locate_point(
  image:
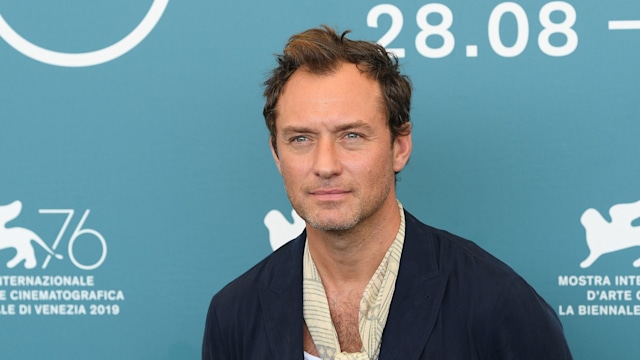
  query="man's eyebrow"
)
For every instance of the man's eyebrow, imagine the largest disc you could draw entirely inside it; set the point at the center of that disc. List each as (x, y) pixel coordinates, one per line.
(296, 130)
(358, 124)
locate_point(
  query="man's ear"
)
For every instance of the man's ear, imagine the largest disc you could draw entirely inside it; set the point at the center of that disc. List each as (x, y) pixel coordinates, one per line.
(274, 153)
(402, 149)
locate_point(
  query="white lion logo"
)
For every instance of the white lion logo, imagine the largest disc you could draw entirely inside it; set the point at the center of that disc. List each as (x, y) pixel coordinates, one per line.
(604, 237)
(281, 230)
(19, 238)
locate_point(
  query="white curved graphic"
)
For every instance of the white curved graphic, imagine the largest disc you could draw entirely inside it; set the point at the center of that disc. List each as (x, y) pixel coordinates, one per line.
(281, 230)
(88, 58)
(604, 236)
(19, 239)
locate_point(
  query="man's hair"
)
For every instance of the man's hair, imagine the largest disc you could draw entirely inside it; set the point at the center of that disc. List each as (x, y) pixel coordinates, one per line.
(321, 51)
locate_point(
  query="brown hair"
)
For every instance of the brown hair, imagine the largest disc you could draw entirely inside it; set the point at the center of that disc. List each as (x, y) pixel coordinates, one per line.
(321, 51)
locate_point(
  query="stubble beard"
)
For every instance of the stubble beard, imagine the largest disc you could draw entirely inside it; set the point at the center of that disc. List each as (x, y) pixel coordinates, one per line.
(352, 215)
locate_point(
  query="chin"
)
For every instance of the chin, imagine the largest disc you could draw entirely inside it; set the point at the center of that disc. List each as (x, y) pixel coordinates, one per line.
(338, 223)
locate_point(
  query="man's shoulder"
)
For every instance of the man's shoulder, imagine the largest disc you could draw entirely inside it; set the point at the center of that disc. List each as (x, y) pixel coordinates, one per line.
(455, 253)
(471, 272)
(268, 272)
(491, 301)
(261, 303)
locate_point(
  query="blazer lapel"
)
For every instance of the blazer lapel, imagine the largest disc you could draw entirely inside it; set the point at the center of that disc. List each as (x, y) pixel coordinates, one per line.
(281, 304)
(417, 298)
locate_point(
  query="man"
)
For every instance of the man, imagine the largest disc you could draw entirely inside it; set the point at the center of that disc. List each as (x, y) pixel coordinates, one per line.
(365, 280)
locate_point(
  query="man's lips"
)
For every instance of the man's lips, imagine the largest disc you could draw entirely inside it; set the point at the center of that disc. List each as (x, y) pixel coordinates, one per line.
(329, 194)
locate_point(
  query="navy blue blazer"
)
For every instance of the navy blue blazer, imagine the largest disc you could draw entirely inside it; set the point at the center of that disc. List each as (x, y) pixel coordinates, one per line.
(452, 300)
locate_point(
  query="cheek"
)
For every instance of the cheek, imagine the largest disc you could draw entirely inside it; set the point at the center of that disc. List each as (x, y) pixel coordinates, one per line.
(291, 171)
(375, 162)
(368, 171)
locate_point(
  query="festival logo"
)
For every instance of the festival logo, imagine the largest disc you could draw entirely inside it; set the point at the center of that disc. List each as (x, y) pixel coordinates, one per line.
(281, 230)
(604, 236)
(603, 293)
(89, 58)
(24, 292)
(22, 239)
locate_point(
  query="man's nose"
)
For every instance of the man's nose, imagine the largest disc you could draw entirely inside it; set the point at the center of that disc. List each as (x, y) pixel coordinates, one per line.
(327, 159)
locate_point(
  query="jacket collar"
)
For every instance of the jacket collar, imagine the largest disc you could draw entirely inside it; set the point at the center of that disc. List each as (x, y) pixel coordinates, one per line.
(281, 301)
(417, 297)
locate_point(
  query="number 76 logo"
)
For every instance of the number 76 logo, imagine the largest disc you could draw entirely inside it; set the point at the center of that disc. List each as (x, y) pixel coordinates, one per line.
(21, 239)
(79, 230)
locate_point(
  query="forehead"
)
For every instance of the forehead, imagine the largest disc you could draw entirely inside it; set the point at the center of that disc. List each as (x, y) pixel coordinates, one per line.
(344, 93)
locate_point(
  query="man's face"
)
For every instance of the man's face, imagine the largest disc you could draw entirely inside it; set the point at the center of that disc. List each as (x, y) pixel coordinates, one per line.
(334, 148)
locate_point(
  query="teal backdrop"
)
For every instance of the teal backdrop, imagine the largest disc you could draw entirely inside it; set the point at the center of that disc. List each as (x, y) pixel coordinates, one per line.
(132, 145)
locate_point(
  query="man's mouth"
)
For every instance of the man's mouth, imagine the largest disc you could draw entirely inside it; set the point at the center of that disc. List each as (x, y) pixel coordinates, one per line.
(329, 194)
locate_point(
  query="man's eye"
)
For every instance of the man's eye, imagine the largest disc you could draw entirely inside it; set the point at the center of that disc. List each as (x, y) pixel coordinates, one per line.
(299, 139)
(352, 136)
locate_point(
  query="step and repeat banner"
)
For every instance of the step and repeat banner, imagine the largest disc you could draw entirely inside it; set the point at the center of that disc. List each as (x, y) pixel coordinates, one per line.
(136, 178)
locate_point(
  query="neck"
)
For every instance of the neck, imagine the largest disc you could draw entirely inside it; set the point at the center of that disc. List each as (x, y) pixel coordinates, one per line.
(348, 259)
